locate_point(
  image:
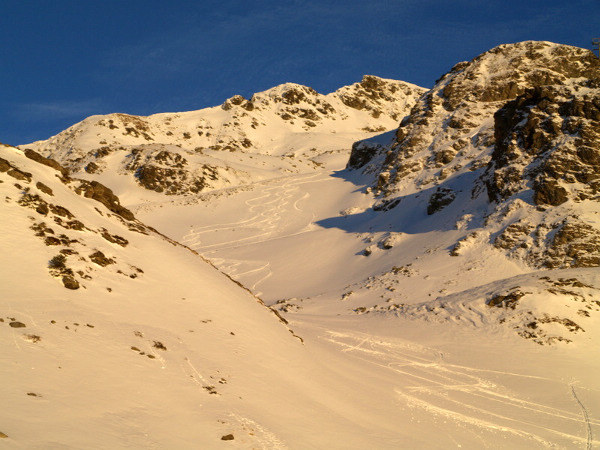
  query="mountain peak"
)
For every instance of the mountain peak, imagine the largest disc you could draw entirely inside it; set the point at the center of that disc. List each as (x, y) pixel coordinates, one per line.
(519, 122)
(270, 134)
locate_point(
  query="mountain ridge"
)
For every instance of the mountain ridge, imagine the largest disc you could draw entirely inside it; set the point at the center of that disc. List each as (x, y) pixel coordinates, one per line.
(273, 133)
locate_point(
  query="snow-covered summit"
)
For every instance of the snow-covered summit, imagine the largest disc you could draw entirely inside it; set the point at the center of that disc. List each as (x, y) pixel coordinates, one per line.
(287, 129)
(518, 127)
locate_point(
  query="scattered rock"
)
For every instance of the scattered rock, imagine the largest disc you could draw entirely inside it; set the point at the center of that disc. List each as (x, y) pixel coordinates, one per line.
(45, 189)
(70, 282)
(99, 258)
(102, 194)
(159, 345)
(31, 154)
(113, 238)
(508, 301)
(441, 198)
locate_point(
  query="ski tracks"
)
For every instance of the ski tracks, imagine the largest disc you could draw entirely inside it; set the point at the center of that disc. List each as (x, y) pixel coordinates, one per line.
(586, 419)
(275, 211)
(468, 395)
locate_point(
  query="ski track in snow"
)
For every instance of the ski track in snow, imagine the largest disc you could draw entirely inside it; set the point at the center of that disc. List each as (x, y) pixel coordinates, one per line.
(464, 394)
(270, 211)
(586, 418)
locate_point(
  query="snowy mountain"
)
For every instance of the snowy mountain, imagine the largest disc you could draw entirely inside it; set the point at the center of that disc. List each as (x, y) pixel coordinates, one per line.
(504, 148)
(287, 129)
(523, 120)
(447, 279)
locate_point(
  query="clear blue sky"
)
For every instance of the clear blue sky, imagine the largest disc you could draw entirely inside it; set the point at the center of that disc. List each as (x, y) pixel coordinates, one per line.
(63, 60)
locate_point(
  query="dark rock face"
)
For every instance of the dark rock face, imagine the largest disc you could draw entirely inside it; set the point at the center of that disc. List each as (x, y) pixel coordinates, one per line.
(386, 205)
(449, 125)
(92, 167)
(99, 258)
(440, 199)
(35, 156)
(549, 192)
(102, 194)
(575, 244)
(362, 153)
(546, 139)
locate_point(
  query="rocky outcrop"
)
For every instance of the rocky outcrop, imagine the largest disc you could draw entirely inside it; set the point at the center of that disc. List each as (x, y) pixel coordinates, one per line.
(452, 127)
(102, 194)
(548, 141)
(372, 93)
(441, 198)
(35, 156)
(521, 123)
(168, 172)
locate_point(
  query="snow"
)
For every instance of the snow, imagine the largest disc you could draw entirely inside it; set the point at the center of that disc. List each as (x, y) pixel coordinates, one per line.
(397, 347)
(441, 361)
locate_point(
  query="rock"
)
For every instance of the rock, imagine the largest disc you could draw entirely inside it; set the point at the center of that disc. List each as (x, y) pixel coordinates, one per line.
(92, 167)
(227, 437)
(16, 324)
(45, 189)
(35, 156)
(99, 258)
(113, 238)
(70, 282)
(513, 236)
(575, 244)
(549, 192)
(102, 194)
(19, 174)
(362, 152)
(441, 198)
(13, 171)
(546, 136)
(386, 205)
(449, 125)
(508, 301)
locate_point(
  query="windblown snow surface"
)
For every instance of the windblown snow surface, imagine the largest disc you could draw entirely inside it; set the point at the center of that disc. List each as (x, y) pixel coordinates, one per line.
(346, 319)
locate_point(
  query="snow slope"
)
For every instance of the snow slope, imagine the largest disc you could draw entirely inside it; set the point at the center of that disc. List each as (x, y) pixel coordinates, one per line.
(417, 333)
(176, 355)
(419, 309)
(388, 245)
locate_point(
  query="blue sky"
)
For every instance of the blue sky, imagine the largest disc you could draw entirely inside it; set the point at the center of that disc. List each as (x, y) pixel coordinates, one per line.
(63, 60)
